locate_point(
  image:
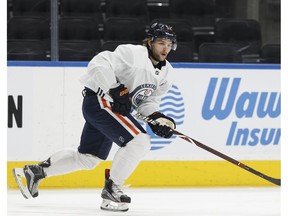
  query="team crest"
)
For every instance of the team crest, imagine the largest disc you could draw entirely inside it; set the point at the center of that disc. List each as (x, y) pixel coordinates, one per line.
(141, 93)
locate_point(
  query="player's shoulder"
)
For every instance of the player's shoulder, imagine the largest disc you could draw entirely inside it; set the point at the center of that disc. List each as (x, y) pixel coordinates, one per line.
(136, 53)
(132, 47)
(168, 65)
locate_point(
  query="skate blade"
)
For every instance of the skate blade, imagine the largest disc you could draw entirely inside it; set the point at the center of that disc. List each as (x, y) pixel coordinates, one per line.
(109, 205)
(19, 176)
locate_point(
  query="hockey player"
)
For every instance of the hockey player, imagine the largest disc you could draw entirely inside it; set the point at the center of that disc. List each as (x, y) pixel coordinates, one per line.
(133, 76)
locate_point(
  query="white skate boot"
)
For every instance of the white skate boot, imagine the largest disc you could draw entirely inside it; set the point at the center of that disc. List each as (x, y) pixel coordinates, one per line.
(32, 174)
(113, 197)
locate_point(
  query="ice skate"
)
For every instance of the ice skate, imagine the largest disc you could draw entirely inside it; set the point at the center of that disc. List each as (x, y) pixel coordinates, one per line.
(32, 175)
(113, 197)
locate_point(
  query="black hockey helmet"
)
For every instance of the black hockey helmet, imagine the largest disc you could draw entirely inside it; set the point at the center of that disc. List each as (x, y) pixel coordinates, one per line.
(160, 30)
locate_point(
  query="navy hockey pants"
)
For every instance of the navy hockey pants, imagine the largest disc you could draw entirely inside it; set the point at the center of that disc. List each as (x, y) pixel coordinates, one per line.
(103, 127)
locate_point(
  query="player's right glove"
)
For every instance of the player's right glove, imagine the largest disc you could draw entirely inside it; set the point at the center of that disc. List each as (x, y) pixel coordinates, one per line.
(165, 125)
(121, 101)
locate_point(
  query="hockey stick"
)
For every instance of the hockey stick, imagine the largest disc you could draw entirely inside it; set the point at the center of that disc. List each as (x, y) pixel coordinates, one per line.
(213, 151)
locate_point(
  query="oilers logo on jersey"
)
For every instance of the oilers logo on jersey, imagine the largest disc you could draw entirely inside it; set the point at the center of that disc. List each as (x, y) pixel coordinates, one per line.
(141, 93)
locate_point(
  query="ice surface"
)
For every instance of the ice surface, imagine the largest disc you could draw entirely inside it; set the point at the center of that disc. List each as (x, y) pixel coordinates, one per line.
(239, 201)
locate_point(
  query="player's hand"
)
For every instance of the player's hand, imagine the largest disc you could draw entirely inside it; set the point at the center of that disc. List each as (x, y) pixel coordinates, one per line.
(121, 101)
(165, 126)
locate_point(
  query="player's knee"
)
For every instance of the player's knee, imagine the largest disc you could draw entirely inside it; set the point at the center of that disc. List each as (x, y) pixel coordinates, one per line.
(87, 161)
(140, 145)
(146, 143)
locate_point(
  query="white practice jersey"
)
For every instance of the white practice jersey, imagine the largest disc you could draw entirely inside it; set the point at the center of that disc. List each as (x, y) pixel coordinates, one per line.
(131, 66)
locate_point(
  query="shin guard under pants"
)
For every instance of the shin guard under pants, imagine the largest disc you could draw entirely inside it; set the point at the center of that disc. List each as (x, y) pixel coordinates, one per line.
(69, 160)
(127, 158)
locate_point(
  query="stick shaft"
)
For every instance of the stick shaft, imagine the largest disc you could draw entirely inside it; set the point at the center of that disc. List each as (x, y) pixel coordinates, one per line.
(227, 158)
(215, 152)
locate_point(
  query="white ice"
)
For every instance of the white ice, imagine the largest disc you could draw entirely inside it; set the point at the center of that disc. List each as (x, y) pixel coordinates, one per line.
(239, 201)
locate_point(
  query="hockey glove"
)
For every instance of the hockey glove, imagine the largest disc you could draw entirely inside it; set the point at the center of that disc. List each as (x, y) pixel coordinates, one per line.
(163, 129)
(121, 101)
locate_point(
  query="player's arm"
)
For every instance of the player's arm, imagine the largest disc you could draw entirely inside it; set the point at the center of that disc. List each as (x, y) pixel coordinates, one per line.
(100, 77)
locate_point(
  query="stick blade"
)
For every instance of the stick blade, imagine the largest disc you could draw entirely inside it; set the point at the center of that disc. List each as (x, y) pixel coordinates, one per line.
(275, 181)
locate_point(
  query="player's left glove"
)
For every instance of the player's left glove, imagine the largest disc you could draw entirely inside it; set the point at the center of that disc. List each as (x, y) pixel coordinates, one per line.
(165, 126)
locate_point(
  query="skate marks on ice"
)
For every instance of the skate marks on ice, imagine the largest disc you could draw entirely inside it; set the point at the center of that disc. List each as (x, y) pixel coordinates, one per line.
(258, 201)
